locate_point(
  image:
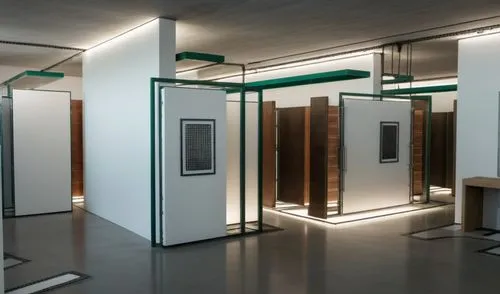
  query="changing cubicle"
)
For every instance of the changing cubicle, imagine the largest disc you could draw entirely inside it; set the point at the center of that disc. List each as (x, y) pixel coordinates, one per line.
(367, 154)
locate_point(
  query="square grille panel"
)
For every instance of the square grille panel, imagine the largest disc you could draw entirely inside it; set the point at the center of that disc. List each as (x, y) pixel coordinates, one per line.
(197, 147)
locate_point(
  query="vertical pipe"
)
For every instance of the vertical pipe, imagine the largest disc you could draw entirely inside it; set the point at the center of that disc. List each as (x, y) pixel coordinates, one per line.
(152, 160)
(260, 158)
(242, 160)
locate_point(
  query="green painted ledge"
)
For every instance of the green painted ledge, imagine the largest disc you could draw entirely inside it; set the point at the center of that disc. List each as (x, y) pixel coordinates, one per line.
(422, 90)
(200, 57)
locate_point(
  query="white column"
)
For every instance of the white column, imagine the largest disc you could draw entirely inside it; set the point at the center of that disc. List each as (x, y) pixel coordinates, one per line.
(116, 78)
(478, 112)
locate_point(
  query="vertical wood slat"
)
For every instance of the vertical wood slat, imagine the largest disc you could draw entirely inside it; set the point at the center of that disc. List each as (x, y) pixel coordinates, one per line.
(333, 168)
(419, 114)
(269, 154)
(318, 195)
(77, 148)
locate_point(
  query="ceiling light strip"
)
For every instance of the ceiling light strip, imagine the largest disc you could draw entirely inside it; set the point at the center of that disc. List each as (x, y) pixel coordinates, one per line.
(39, 45)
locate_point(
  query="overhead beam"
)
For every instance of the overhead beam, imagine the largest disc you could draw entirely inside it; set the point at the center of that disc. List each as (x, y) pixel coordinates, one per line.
(187, 55)
(31, 79)
(422, 90)
(325, 77)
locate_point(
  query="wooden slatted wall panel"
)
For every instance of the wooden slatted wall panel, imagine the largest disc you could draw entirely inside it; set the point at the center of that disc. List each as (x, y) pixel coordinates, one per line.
(333, 153)
(76, 148)
(419, 111)
(269, 154)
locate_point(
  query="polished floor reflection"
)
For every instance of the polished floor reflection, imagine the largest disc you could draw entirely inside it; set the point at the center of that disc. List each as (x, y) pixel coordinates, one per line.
(306, 257)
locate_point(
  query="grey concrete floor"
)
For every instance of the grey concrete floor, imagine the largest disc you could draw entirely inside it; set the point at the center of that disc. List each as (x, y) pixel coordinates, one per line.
(368, 257)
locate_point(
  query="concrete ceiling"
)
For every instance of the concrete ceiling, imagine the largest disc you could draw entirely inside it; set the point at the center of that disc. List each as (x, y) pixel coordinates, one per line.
(245, 31)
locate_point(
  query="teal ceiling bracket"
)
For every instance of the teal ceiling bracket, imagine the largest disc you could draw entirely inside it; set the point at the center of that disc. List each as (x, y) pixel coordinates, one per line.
(32, 79)
(200, 57)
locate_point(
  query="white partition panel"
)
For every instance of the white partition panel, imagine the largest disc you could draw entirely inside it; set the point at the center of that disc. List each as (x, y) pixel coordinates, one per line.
(370, 180)
(194, 205)
(42, 151)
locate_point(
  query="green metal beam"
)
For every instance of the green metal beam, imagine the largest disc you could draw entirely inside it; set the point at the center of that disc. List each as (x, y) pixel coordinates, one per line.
(200, 57)
(398, 79)
(32, 79)
(422, 90)
(325, 77)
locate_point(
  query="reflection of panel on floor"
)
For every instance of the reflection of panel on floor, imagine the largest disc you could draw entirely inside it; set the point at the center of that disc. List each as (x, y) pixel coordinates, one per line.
(269, 154)
(419, 111)
(293, 167)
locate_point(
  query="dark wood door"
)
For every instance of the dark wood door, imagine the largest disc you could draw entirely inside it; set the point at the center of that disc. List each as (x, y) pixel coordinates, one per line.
(318, 196)
(438, 150)
(269, 154)
(291, 155)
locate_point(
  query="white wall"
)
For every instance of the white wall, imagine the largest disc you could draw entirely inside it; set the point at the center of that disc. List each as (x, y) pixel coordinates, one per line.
(233, 159)
(42, 152)
(301, 95)
(478, 107)
(194, 206)
(116, 91)
(68, 83)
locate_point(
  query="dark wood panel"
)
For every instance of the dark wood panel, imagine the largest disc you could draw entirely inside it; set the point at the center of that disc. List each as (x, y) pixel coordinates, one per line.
(76, 148)
(291, 153)
(333, 153)
(319, 158)
(438, 150)
(307, 147)
(269, 154)
(419, 113)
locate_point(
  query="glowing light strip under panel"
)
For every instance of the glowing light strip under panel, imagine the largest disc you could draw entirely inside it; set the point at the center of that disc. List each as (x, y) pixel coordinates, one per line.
(48, 284)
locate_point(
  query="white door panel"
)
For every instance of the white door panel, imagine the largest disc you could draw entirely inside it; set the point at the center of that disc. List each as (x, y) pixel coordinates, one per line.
(369, 183)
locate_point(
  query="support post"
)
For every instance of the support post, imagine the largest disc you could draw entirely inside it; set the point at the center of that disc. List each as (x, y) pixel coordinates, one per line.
(260, 193)
(242, 161)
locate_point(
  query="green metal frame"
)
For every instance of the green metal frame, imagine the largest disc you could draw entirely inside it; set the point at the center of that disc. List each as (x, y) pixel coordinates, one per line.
(200, 57)
(381, 97)
(30, 74)
(422, 90)
(309, 79)
(156, 84)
